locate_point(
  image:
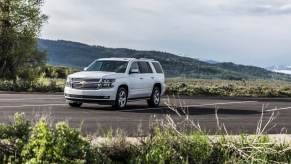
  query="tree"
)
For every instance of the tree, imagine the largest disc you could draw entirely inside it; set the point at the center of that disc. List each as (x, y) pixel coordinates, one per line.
(20, 23)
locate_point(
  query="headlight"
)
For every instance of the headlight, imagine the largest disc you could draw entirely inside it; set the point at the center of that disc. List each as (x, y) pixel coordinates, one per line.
(107, 83)
(68, 82)
(108, 80)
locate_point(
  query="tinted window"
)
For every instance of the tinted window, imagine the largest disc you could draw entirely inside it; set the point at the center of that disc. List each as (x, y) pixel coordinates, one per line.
(144, 67)
(134, 66)
(108, 66)
(158, 67)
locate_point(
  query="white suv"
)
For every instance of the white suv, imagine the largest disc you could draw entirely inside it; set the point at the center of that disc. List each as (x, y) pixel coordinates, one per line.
(114, 81)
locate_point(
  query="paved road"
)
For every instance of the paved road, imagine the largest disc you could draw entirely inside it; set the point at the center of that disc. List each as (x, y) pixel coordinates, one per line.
(239, 116)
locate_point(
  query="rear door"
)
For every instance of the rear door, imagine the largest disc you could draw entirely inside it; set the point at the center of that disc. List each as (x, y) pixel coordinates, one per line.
(146, 77)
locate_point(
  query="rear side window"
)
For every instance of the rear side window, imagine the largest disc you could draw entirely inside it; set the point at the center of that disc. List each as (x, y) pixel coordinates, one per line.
(158, 67)
(144, 67)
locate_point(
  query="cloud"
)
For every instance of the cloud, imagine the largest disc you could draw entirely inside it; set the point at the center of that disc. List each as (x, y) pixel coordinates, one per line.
(270, 10)
(258, 7)
(255, 32)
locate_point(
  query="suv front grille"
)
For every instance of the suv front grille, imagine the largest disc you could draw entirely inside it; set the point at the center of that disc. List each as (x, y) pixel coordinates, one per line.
(86, 84)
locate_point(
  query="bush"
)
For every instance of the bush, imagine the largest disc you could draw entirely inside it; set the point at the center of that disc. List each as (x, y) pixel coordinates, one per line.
(18, 131)
(62, 145)
(16, 136)
(39, 148)
(55, 72)
(69, 146)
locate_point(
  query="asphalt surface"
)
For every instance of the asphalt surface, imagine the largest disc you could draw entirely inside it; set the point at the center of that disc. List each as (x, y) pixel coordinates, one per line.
(237, 115)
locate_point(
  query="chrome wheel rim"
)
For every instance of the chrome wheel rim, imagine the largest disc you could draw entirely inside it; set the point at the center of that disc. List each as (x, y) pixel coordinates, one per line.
(157, 96)
(122, 98)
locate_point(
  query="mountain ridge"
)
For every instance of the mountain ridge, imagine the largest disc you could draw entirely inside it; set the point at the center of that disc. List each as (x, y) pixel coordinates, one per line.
(78, 55)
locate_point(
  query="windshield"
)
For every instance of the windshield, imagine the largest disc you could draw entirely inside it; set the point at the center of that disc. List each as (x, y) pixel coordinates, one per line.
(108, 66)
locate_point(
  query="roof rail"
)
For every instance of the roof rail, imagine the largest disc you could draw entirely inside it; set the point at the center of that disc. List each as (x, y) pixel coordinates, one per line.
(146, 59)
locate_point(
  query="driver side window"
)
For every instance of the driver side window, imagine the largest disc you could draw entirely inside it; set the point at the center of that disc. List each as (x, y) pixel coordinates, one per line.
(134, 66)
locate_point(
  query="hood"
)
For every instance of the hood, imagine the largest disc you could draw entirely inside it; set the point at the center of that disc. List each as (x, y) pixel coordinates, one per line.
(96, 74)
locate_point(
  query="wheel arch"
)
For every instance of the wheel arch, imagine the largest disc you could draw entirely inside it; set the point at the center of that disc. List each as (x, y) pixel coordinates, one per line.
(158, 85)
(124, 86)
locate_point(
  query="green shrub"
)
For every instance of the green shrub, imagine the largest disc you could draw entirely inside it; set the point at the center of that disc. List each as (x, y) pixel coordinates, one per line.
(40, 147)
(16, 136)
(60, 145)
(56, 72)
(18, 131)
(69, 146)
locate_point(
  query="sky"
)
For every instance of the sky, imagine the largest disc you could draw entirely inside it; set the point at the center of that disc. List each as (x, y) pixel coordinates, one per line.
(250, 32)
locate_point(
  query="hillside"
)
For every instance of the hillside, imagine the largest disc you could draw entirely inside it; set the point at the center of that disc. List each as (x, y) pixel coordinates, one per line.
(73, 54)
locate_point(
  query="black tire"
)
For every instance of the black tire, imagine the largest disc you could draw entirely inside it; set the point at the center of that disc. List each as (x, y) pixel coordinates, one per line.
(75, 104)
(121, 98)
(155, 98)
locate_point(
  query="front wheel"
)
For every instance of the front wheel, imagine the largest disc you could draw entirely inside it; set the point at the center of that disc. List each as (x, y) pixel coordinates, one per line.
(155, 99)
(75, 104)
(121, 99)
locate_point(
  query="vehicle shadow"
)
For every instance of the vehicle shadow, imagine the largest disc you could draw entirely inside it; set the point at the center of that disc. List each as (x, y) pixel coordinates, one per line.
(194, 111)
(166, 110)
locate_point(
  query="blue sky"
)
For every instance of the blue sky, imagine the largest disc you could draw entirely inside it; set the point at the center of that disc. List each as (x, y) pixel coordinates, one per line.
(252, 32)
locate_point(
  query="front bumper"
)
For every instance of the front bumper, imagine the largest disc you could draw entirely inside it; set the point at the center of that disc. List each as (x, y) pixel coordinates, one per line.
(98, 96)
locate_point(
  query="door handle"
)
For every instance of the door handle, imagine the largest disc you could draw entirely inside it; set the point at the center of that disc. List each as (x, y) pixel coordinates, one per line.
(141, 78)
(153, 77)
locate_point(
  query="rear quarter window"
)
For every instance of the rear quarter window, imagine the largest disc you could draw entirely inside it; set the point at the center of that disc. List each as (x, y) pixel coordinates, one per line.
(158, 67)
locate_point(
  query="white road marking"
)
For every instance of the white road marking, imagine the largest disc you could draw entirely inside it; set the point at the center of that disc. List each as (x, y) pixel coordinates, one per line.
(22, 99)
(25, 94)
(27, 105)
(277, 109)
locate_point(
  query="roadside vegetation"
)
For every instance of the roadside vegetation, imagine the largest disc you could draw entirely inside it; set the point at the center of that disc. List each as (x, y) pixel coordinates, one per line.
(46, 78)
(23, 141)
(229, 88)
(52, 79)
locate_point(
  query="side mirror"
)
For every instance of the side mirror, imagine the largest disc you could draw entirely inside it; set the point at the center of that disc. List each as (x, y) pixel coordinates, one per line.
(132, 71)
(85, 69)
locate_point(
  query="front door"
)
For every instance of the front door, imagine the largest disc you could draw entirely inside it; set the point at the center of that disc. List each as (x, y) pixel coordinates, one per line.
(136, 82)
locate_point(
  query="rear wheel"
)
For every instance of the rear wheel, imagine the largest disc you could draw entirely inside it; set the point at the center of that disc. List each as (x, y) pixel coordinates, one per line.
(75, 104)
(155, 99)
(121, 99)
